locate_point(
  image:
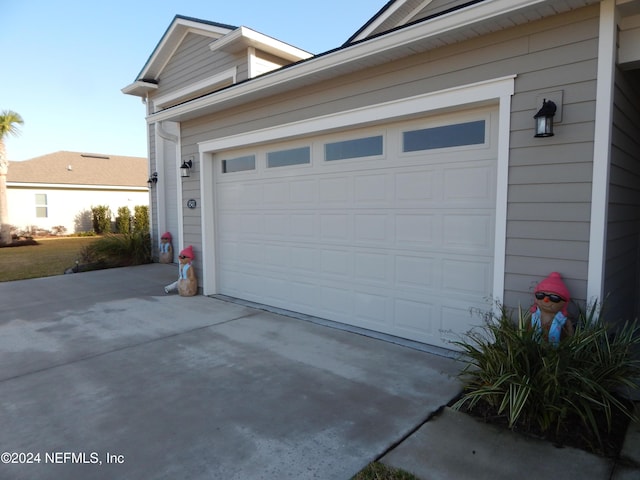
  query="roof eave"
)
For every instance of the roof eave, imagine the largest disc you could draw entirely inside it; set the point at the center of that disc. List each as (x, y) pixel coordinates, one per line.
(139, 88)
(370, 48)
(244, 37)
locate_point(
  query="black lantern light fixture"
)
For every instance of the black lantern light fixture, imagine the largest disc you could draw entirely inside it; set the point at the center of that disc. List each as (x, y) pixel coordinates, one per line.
(153, 179)
(544, 119)
(185, 168)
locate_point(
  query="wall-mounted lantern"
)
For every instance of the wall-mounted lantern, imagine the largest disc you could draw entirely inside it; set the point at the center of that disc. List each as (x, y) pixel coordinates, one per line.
(153, 179)
(544, 119)
(185, 168)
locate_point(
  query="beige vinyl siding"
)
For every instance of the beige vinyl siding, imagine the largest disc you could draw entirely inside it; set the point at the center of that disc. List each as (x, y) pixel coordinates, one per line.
(622, 268)
(554, 54)
(192, 62)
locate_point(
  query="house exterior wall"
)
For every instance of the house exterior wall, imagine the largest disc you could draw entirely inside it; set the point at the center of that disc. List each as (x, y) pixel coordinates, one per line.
(622, 268)
(68, 207)
(549, 179)
(192, 62)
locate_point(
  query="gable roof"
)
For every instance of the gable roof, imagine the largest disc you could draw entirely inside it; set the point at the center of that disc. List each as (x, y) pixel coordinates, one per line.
(74, 168)
(180, 26)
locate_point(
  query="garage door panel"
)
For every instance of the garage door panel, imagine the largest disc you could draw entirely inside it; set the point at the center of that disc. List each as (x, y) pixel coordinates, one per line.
(468, 232)
(413, 272)
(336, 263)
(372, 268)
(335, 190)
(304, 192)
(371, 228)
(465, 276)
(417, 318)
(371, 310)
(465, 184)
(401, 244)
(415, 229)
(414, 185)
(335, 227)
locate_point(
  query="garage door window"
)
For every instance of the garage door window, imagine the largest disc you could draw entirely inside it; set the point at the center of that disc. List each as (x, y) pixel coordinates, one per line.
(457, 135)
(361, 147)
(239, 164)
(293, 156)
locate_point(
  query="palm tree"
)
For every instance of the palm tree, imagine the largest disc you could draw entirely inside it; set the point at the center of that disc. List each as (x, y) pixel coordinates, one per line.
(9, 122)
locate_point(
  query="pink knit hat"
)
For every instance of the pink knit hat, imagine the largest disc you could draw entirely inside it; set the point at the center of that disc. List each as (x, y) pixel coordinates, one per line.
(166, 235)
(553, 284)
(187, 252)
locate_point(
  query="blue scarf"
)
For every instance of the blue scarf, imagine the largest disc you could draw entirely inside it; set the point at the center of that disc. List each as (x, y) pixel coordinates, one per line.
(164, 247)
(183, 271)
(555, 331)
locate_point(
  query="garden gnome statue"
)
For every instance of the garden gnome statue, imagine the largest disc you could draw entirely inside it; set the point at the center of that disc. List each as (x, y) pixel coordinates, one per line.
(549, 313)
(187, 284)
(166, 249)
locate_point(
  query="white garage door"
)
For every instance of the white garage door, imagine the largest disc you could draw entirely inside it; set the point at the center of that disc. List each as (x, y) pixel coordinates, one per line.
(388, 228)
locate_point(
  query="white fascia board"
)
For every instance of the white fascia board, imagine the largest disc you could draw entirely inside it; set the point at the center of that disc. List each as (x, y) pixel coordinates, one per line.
(70, 186)
(244, 37)
(385, 16)
(424, 30)
(226, 77)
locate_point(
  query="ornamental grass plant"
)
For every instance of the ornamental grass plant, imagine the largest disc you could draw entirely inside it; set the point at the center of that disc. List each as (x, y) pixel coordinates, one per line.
(558, 392)
(119, 250)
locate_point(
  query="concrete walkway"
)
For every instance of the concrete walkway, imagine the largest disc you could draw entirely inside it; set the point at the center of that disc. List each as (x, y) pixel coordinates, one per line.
(103, 376)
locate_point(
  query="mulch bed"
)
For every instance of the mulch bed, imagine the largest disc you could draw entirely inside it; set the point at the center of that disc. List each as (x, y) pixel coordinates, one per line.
(574, 434)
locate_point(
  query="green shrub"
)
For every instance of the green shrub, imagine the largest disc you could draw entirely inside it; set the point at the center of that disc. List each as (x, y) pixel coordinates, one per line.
(546, 389)
(101, 217)
(123, 220)
(120, 250)
(141, 219)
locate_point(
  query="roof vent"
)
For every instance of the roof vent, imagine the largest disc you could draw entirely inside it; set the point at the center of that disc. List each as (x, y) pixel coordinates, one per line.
(69, 167)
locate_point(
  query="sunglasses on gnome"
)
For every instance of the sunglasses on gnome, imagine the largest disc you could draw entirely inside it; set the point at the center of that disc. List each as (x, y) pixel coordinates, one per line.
(182, 257)
(552, 296)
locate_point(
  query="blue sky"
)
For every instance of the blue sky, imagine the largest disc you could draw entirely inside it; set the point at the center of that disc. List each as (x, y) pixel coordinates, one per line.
(65, 61)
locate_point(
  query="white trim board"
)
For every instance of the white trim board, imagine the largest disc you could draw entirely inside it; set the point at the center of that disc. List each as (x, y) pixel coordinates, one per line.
(500, 89)
(601, 151)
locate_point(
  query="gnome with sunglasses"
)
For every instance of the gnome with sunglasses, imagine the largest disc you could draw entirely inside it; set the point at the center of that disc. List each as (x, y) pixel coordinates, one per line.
(549, 317)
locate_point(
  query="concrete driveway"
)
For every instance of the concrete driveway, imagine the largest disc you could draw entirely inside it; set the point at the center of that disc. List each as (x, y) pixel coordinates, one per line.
(102, 375)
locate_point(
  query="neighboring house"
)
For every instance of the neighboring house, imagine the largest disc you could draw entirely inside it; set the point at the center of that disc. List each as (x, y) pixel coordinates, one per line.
(59, 189)
(394, 183)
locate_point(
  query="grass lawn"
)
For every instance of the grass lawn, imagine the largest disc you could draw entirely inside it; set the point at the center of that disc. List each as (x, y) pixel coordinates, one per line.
(52, 256)
(378, 471)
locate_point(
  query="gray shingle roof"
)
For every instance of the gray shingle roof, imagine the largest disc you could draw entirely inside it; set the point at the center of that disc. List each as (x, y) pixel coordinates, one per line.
(74, 168)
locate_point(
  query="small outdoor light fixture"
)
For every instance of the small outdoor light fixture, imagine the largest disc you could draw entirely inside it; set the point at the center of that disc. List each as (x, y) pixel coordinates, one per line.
(153, 179)
(544, 119)
(185, 168)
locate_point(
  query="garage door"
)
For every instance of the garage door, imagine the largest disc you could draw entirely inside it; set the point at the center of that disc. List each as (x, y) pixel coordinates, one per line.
(388, 228)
